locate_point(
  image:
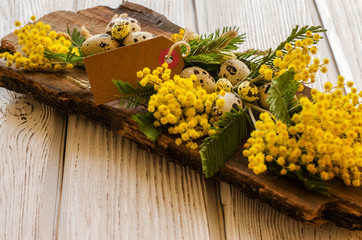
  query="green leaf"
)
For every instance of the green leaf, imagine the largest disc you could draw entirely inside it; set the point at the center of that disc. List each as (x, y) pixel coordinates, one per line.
(64, 58)
(217, 148)
(70, 57)
(76, 36)
(281, 95)
(133, 96)
(210, 51)
(250, 58)
(145, 122)
(226, 40)
(296, 34)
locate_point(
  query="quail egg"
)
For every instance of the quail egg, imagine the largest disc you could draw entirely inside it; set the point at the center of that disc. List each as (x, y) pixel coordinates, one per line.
(98, 43)
(223, 84)
(136, 37)
(232, 100)
(204, 79)
(248, 91)
(133, 23)
(263, 92)
(234, 70)
(121, 29)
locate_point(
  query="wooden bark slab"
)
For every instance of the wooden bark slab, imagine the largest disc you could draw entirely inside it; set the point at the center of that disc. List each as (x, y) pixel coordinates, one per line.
(54, 89)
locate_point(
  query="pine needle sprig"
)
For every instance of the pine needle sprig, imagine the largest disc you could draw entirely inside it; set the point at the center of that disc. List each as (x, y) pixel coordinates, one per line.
(217, 148)
(251, 57)
(227, 40)
(296, 34)
(133, 96)
(210, 51)
(145, 123)
(281, 96)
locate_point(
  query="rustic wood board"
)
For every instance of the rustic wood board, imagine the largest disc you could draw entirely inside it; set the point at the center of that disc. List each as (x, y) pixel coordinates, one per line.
(344, 208)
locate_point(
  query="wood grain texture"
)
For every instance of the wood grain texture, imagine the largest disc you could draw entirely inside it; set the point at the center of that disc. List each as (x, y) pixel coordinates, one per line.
(31, 149)
(114, 190)
(266, 24)
(343, 21)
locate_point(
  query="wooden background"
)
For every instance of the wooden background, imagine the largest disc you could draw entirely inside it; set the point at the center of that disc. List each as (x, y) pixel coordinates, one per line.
(63, 177)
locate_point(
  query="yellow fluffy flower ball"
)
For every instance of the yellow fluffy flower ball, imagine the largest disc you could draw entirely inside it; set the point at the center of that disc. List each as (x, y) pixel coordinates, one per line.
(35, 39)
(178, 104)
(325, 138)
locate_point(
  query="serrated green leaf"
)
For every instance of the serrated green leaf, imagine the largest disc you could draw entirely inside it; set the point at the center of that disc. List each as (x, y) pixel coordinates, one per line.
(133, 96)
(145, 122)
(281, 95)
(217, 148)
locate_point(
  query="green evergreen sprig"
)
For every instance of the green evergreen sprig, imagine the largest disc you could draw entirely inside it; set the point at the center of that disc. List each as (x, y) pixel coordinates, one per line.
(133, 96)
(231, 129)
(296, 34)
(281, 96)
(227, 40)
(145, 122)
(210, 51)
(251, 57)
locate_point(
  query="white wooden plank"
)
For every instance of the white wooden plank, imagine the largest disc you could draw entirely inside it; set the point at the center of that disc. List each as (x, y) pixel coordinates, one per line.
(180, 12)
(266, 23)
(134, 194)
(12, 10)
(31, 148)
(343, 20)
(114, 190)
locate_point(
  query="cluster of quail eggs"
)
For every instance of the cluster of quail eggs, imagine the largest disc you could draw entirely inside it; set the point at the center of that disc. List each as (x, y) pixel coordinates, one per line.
(232, 73)
(120, 31)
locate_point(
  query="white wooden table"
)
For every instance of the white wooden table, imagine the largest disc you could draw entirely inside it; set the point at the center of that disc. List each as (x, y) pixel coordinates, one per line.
(63, 177)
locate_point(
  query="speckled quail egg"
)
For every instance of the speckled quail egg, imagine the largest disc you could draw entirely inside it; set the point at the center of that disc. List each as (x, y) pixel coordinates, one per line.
(234, 70)
(232, 100)
(133, 23)
(204, 79)
(121, 29)
(223, 84)
(98, 43)
(136, 37)
(248, 91)
(263, 92)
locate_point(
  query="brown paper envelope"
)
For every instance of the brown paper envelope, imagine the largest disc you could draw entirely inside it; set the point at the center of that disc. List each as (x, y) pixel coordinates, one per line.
(124, 63)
